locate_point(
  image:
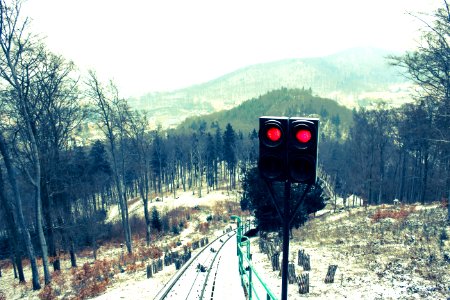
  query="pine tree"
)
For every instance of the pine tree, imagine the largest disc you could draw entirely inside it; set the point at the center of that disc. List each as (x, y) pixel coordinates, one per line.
(229, 153)
(156, 219)
(98, 159)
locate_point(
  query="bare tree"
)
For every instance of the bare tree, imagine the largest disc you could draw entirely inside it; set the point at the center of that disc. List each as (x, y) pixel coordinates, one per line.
(18, 63)
(12, 177)
(140, 140)
(429, 67)
(10, 217)
(110, 117)
(56, 97)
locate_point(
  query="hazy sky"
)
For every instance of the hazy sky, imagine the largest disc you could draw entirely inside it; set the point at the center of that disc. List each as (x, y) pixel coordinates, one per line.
(148, 45)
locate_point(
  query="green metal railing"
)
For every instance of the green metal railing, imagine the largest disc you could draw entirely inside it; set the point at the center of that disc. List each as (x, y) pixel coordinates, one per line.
(246, 269)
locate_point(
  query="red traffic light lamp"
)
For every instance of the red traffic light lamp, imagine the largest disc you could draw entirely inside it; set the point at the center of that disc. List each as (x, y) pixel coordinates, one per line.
(273, 134)
(303, 136)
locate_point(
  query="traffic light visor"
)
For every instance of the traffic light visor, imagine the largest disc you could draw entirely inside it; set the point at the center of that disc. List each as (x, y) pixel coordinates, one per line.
(302, 133)
(272, 134)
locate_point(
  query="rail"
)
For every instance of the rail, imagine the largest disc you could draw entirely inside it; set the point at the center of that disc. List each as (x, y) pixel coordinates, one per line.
(169, 287)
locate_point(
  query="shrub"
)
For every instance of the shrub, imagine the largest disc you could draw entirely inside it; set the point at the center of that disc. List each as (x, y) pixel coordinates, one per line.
(401, 214)
(444, 203)
(89, 281)
(175, 230)
(203, 227)
(47, 293)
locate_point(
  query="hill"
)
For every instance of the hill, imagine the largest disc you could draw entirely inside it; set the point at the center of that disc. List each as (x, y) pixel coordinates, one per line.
(353, 77)
(335, 118)
(381, 252)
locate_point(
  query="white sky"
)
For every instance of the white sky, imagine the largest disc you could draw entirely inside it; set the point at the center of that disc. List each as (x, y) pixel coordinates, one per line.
(149, 45)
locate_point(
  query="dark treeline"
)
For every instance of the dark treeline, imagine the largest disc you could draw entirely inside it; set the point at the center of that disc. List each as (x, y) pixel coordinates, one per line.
(55, 192)
(390, 154)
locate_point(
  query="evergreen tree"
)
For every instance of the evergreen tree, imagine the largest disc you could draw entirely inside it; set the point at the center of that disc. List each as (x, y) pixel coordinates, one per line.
(229, 153)
(158, 160)
(156, 219)
(98, 159)
(218, 142)
(257, 198)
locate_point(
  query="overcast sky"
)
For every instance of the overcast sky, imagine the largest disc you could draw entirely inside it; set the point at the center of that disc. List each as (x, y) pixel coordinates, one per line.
(148, 45)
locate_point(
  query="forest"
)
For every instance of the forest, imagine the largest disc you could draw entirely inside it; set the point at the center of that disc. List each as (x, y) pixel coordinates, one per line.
(53, 187)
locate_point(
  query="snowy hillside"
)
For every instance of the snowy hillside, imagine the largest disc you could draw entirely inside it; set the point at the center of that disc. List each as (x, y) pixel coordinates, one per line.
(383, 252)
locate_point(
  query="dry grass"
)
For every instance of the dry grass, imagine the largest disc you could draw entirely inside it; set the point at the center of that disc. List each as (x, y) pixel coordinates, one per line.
(396, 243)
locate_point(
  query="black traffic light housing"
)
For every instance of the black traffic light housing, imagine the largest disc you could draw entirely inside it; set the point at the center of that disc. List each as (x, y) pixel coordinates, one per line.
(288, 149)
(273, 133)
(302, 149)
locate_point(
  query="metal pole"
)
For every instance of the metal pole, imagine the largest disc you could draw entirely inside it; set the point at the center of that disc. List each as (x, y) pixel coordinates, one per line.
(250, 283)
(286, 223)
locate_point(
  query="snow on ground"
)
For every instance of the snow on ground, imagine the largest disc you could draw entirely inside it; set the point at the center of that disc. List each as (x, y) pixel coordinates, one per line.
(187, 199)
(381, 275)
(358, 285)
(137, 286)
(228, 283)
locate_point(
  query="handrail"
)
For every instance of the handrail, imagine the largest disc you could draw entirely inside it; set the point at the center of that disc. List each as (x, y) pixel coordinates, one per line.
(246, 279)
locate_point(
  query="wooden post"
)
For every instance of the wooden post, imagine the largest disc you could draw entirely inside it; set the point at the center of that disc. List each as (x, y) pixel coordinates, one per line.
(330, 273)
(149, 271)
(291, 273)
(303, 283)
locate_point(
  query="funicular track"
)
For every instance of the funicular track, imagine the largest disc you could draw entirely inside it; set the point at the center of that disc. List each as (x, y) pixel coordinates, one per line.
(195, 280)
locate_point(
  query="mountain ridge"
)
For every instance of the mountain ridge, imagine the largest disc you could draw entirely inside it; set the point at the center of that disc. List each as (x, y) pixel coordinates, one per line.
(335, 119)
(352, 77)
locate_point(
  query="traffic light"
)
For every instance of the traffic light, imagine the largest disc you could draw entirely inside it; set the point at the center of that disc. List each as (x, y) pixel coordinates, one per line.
(273, 136)
(302, 149)
(288, 148)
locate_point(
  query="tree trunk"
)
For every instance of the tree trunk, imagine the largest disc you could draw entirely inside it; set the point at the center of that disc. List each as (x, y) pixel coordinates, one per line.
(47, 206)
(40, 231)
(19, 212)
(448, 191)
(73, 258)
(403, 176)
(13, 262)
(18, 259)
(122, 204)
(425, 176)
(381, 170)
(36, 182)
(13, 233)
(143, 190)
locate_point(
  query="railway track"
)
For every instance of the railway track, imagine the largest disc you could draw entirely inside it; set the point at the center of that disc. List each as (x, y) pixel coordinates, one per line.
(196, 279)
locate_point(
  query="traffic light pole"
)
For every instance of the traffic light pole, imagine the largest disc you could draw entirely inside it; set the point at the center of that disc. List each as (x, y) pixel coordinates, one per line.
(286, 225)
(286, 218)
(288, 153)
